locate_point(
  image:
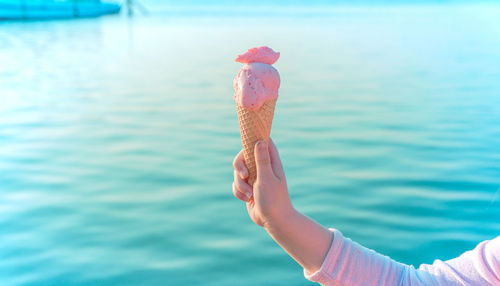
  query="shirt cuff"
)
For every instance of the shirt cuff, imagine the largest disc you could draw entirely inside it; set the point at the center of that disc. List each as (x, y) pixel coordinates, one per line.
(322, 275)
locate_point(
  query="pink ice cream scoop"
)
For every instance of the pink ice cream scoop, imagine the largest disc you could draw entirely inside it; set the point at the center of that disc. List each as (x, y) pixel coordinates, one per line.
(257, 81)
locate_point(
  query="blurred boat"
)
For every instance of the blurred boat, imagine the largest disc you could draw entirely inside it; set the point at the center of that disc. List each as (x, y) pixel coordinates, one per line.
(55, 9)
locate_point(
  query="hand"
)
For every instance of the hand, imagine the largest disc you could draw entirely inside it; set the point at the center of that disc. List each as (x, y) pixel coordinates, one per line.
(269, 206)
(268, 201)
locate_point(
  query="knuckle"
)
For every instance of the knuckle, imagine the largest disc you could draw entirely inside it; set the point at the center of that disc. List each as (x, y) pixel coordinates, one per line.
(263, 160)
(236, 185)
(235, 162)
(238, 194)
(235, 191)
(240, 185)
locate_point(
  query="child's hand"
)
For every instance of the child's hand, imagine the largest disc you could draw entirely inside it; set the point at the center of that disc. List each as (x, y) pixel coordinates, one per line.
(269, 206)
(268, 201)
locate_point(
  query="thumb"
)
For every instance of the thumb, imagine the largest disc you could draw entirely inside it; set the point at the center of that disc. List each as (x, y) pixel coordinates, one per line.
(262, 160)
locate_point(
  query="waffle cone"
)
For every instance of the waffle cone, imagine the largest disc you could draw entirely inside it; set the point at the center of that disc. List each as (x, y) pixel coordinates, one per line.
(255, 125)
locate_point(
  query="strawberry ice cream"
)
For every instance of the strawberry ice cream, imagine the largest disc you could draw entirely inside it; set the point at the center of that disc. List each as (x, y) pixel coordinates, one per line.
(257, 81)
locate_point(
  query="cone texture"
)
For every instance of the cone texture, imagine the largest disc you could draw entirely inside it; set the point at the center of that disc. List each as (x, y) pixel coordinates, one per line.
(254, 126)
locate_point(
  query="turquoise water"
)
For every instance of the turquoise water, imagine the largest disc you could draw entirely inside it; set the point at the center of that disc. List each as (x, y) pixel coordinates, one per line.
(117, 137)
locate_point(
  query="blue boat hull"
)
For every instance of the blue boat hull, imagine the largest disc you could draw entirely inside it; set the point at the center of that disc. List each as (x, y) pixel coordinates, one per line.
(42, 9)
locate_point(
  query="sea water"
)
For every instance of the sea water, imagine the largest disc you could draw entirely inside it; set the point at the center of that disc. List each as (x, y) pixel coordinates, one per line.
(117, 137)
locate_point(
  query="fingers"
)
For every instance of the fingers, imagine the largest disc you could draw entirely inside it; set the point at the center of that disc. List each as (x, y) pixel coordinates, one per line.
(262, 160)
(241, 189)
(275, 160)
(239, 194)
(239, 165)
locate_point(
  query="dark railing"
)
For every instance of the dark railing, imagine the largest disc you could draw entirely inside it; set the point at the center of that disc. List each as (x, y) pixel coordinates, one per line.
(57, 9)
(23, 4)
(24, 8)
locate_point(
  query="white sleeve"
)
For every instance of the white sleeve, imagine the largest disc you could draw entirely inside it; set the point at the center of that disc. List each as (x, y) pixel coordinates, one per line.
(348, 263)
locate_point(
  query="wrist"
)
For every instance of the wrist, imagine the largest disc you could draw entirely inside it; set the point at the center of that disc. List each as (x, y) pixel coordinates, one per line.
(278, 220)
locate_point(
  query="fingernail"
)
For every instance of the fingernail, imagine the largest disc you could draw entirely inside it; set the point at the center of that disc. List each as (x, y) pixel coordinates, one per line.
(249, 195)
(243, 172)
(261, 144)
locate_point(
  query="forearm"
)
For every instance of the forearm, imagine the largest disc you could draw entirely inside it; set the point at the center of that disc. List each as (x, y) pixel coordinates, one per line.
(302, 238)
(341, 261)
(347, 263)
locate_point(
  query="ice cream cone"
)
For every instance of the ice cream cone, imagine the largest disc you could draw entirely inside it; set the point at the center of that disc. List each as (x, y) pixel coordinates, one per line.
(255, 125)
